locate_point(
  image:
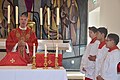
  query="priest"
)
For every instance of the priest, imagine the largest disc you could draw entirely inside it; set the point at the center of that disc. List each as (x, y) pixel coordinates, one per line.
(21, 39)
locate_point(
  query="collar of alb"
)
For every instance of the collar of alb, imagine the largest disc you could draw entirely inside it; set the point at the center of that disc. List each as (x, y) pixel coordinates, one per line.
(22, 28)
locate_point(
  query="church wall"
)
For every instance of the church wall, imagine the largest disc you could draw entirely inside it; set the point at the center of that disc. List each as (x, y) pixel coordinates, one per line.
(110, 15)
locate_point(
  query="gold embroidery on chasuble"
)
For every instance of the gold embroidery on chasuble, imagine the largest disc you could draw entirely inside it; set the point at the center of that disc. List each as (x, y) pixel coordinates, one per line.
(23, 35)
(17, 35)
(27, 36)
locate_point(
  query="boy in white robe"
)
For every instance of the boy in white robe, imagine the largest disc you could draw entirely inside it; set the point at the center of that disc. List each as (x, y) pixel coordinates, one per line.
(102, 50)
(88, 67)
(109, 65)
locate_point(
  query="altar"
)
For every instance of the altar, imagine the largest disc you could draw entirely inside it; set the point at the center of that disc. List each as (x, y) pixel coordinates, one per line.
(26, 73)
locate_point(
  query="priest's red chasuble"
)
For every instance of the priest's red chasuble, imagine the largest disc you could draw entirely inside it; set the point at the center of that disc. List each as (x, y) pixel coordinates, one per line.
(27, 36)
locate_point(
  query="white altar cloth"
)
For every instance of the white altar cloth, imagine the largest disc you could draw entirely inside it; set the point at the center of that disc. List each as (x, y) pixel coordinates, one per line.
(26, 73)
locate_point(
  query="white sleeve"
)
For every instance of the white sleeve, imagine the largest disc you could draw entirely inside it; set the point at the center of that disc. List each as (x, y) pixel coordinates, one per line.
(15, 48)
(84, 59)
(27, 49)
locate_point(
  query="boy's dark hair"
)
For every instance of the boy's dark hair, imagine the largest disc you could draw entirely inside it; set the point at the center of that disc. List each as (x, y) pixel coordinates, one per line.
(103, 30)
(94, 29)
(25, 14)
(114, 37)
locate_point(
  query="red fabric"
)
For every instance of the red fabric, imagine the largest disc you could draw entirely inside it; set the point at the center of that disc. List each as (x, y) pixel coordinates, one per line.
(93, 40)
(39, 60)
(118, 67)
(87, 78)
(28, 36)
(13, 59)
(101, 44)
(29, 4)
(113, 48)
(50, 60)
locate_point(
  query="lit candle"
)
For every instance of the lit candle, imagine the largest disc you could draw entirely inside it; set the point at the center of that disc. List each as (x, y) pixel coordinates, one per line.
(52, 1)
(16, 7)
(41, 23)
(34, 49)
(45, 50)
(57, 16)
(8, 14)
(56, 51)
(48, 12)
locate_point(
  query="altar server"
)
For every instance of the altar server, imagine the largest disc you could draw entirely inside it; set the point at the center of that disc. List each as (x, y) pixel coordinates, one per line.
(87, 66)
(102, 49)
(108, 70)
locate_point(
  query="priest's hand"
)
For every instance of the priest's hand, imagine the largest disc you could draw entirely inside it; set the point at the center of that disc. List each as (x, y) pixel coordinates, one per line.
(99, 78)
(21, 43)
(92, 58)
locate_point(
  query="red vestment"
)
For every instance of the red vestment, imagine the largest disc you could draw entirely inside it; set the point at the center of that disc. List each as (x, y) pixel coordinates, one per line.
(26, 35)
(87, 78)
(118, 67)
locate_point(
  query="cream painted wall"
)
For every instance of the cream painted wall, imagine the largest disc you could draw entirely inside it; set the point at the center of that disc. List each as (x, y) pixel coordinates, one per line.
(110, 15)
(93, 19)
